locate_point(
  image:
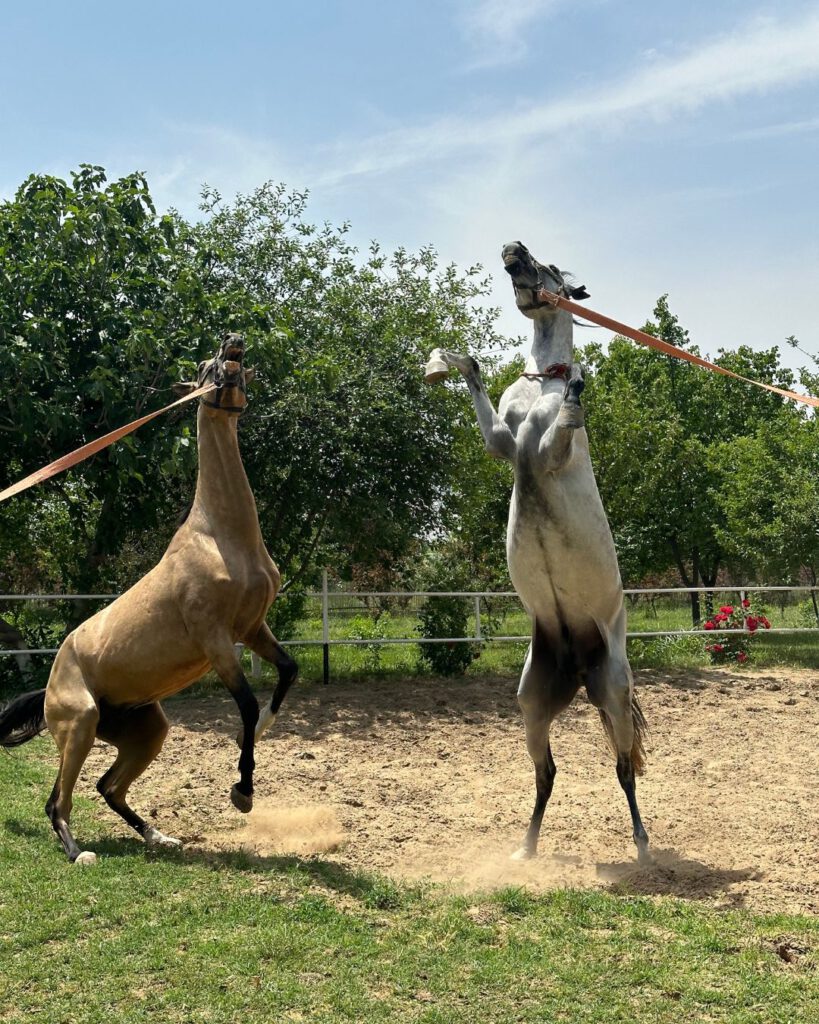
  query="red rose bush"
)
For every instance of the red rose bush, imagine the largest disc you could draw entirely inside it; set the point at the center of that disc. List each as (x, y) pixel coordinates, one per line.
(744, 623)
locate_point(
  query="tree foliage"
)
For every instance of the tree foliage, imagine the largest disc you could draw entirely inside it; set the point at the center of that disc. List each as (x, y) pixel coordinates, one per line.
(94, 321)
(355, 463)
(104, 303)
(678, 457)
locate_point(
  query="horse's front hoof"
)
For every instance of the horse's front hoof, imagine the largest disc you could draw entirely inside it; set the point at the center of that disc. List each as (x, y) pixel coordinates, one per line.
(644, 856)
(86, 859)
(436, 369)
(523, 853)
(240, 801)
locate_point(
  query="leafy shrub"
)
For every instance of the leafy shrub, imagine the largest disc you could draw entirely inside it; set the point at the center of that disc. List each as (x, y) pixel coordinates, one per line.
(287, 613)
(439, 617)
(446, 617)
(365, 627)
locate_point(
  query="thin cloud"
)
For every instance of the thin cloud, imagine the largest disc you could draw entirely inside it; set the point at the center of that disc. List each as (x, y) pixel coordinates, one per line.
(498, 30)
(764, 55)
(773, 131)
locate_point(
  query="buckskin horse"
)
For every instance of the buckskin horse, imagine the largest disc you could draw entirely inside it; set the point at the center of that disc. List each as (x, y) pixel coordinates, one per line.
(211, 589)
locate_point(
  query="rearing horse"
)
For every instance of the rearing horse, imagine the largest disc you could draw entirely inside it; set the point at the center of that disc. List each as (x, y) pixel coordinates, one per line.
(559, 547)
(212, 588)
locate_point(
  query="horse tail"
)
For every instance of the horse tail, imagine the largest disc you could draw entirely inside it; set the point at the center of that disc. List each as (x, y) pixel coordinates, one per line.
(22, 719)
(638, 750)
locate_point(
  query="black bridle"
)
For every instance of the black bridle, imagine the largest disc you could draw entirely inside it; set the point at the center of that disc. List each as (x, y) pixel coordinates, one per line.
(534, 289)
(220, 384)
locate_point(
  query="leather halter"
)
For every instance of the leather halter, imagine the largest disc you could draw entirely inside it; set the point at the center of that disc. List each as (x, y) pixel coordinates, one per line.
(553, 371)
(219, 386)
(225, 408)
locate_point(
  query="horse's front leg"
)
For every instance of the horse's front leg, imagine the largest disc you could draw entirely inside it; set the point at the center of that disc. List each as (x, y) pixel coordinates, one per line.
(497, 436)
(555, 448)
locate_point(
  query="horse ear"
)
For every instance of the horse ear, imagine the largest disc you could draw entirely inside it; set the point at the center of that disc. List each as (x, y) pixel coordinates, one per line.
(579, 292)
(183, 388)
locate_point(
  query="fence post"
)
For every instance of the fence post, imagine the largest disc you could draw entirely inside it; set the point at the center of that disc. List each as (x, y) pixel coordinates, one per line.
(742, 606)
(255, 665)
(478, 635)
(325, 626)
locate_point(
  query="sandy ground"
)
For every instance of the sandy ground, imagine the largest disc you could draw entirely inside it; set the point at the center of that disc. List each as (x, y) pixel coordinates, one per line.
(423, 778)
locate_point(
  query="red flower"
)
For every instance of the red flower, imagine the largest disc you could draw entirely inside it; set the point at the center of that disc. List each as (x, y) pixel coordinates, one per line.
(764, 622)
(746, 603)
(727, 609)
(718, 648)
(751, 623)
(709, 625)
(742, 657)
(720, 617)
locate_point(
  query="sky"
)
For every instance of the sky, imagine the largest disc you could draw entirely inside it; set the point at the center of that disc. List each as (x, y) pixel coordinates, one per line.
(648, 148)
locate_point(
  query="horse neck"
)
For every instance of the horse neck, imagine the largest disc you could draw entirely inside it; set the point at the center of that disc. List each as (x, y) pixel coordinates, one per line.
(552, 341)
(224, 501)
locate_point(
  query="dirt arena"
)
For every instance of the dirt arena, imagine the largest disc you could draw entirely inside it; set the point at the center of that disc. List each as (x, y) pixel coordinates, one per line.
(420, 778)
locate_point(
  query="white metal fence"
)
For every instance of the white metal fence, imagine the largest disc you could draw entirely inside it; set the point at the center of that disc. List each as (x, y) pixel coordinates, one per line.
(333, 605)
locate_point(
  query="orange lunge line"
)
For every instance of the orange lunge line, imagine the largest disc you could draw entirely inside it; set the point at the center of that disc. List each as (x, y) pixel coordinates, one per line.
(663, 346)
(87, 450)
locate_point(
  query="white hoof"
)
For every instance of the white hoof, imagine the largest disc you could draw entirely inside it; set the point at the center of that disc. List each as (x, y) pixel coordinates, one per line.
(153, 837)
(436, 369)
(266, 719)
(86, 859)
(521, 854)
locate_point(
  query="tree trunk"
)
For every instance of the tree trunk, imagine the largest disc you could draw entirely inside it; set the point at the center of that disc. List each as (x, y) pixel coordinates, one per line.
(709, 579)
(696, 616)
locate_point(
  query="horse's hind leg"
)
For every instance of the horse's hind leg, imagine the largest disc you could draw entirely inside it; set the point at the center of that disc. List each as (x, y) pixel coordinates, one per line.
(541, 696)
(138, 735)
(72, 716)
(610, 689)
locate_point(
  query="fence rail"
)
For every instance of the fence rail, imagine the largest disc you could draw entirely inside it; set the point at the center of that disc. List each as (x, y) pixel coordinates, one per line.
(334, 604)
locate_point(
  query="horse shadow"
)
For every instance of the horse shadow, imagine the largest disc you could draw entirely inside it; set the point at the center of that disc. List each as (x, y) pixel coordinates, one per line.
(671, 874)
(364, 706)
(367, 888)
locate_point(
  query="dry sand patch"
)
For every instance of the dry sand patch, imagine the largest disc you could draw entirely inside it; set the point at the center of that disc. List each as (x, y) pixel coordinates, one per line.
(430, 778)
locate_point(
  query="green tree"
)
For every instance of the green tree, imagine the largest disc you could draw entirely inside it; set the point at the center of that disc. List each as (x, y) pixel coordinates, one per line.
(104, 304)
(476, 510)
(770, 503)
(350, 453)
(658, 430)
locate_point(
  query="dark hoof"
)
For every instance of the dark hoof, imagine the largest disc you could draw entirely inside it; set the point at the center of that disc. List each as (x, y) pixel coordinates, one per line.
(644, 856)
(240, 801)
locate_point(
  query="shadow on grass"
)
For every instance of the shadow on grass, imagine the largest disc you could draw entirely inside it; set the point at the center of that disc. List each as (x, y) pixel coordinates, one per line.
(671, 874)
(373, 890)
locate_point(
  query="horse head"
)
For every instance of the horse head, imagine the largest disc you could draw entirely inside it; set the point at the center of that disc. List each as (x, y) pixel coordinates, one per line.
(529, 277)
(227, 373)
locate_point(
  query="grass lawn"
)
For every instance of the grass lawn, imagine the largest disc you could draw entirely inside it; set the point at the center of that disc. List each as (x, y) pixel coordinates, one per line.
(185, 937)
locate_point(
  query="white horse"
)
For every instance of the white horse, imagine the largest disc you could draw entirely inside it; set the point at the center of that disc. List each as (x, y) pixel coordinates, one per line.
(561, 555)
